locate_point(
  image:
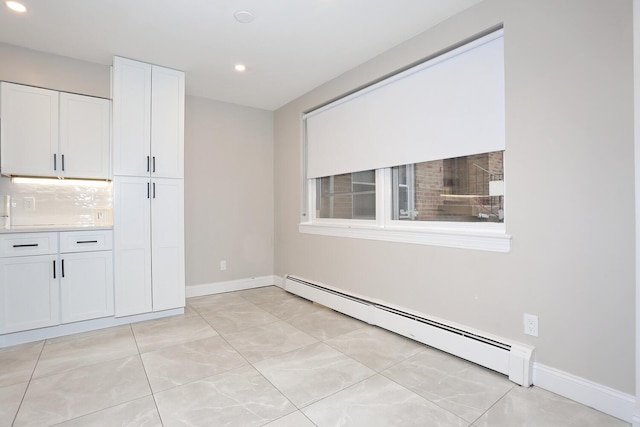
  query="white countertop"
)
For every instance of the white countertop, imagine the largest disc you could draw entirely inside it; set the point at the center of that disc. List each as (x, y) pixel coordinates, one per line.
(52, 227)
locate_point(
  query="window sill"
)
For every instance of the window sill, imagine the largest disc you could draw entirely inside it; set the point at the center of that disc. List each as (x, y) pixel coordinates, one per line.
(464, 238)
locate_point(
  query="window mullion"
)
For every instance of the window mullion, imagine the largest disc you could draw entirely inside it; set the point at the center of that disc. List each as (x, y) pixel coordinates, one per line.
(383, 196)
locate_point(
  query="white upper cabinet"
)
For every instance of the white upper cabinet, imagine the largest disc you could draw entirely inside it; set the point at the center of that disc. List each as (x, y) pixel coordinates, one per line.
(167, 123)
(148, 120)
(53, 134)
(84, 136)
(28, 131)
(131, 117)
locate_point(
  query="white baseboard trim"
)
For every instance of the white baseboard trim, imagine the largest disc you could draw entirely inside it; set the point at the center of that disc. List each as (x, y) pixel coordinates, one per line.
(278, 281)
(604, 399)
(231, 285)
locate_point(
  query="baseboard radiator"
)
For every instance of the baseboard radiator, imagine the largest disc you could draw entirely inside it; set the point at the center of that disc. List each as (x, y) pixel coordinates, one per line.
(510, 358)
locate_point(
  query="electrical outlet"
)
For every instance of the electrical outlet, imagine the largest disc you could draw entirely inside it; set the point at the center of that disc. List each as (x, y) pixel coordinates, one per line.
(29, 204)
(223, 265)
(531, 324)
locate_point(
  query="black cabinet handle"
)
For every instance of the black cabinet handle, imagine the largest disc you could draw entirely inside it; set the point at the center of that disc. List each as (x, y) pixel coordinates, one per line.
(62, 268)
(154, 163)
(147, 163)
(29, 245)
(63, 162)
(54, 268)
(154, 190)
(86, 241)
(148, 196)
(55, 161)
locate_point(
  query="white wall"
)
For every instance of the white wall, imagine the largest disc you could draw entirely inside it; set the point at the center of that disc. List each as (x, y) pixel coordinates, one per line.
(569, 200)
(228, 191)
(30, 67)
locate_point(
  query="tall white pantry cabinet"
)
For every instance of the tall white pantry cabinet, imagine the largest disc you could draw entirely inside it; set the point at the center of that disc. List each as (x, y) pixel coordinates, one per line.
(148, 168)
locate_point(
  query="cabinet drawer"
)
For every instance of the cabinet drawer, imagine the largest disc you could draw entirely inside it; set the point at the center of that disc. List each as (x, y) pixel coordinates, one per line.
(23, 244)
(85, 241)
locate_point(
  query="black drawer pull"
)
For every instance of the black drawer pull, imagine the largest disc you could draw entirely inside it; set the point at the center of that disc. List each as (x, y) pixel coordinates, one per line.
(62, 268)
(29, 245)
(86, 241)
(54, 268)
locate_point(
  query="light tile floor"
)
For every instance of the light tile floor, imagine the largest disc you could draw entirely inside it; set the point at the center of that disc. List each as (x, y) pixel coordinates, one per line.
(263, 357)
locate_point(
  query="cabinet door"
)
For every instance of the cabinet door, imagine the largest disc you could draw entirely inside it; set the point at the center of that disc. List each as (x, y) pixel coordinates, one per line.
(132, 246)
(131, 117)
(86, 286)
(29, 295)
(84, 136)
(167, 241)
(167, 123)
(28, 131)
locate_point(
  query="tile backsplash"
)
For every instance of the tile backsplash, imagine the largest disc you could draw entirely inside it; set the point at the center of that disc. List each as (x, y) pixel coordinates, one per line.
(35, 201)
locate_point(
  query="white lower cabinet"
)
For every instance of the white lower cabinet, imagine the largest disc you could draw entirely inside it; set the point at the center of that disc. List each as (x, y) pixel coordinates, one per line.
(86, 276)
(29, 293)
(42, 286)
(148, 244)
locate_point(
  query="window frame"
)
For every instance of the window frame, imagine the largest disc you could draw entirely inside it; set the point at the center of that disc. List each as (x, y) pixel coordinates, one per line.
(464, 235)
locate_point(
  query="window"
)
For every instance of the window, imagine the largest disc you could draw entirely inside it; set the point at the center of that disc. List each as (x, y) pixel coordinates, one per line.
(462, 189)
(347, 196)
(417, 157)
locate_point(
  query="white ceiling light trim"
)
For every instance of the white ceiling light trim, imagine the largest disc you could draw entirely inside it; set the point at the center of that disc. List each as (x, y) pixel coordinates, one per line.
(16, 7)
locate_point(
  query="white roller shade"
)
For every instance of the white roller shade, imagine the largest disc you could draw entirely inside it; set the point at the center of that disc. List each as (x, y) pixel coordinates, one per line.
(450, 106)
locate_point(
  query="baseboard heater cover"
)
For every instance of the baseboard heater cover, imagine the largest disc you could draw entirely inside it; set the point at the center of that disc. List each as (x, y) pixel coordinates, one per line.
(510, 358)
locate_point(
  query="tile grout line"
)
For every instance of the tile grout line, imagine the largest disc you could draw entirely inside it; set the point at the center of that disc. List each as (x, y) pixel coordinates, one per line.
(494, 404)
(418, 395)
(24, 394)
(298, 409)
(146, 375)
(249, 363)
(76, 367)
(112, 360)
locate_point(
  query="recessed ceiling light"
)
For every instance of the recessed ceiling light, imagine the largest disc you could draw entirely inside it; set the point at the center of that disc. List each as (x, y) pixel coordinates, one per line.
(243, 16)
(240, 68)
(15, 6)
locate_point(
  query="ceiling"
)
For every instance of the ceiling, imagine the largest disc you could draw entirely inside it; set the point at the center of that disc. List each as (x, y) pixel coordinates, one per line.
(291, 46)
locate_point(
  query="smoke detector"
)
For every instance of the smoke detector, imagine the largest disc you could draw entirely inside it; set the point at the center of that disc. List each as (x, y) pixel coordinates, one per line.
(243, 16)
